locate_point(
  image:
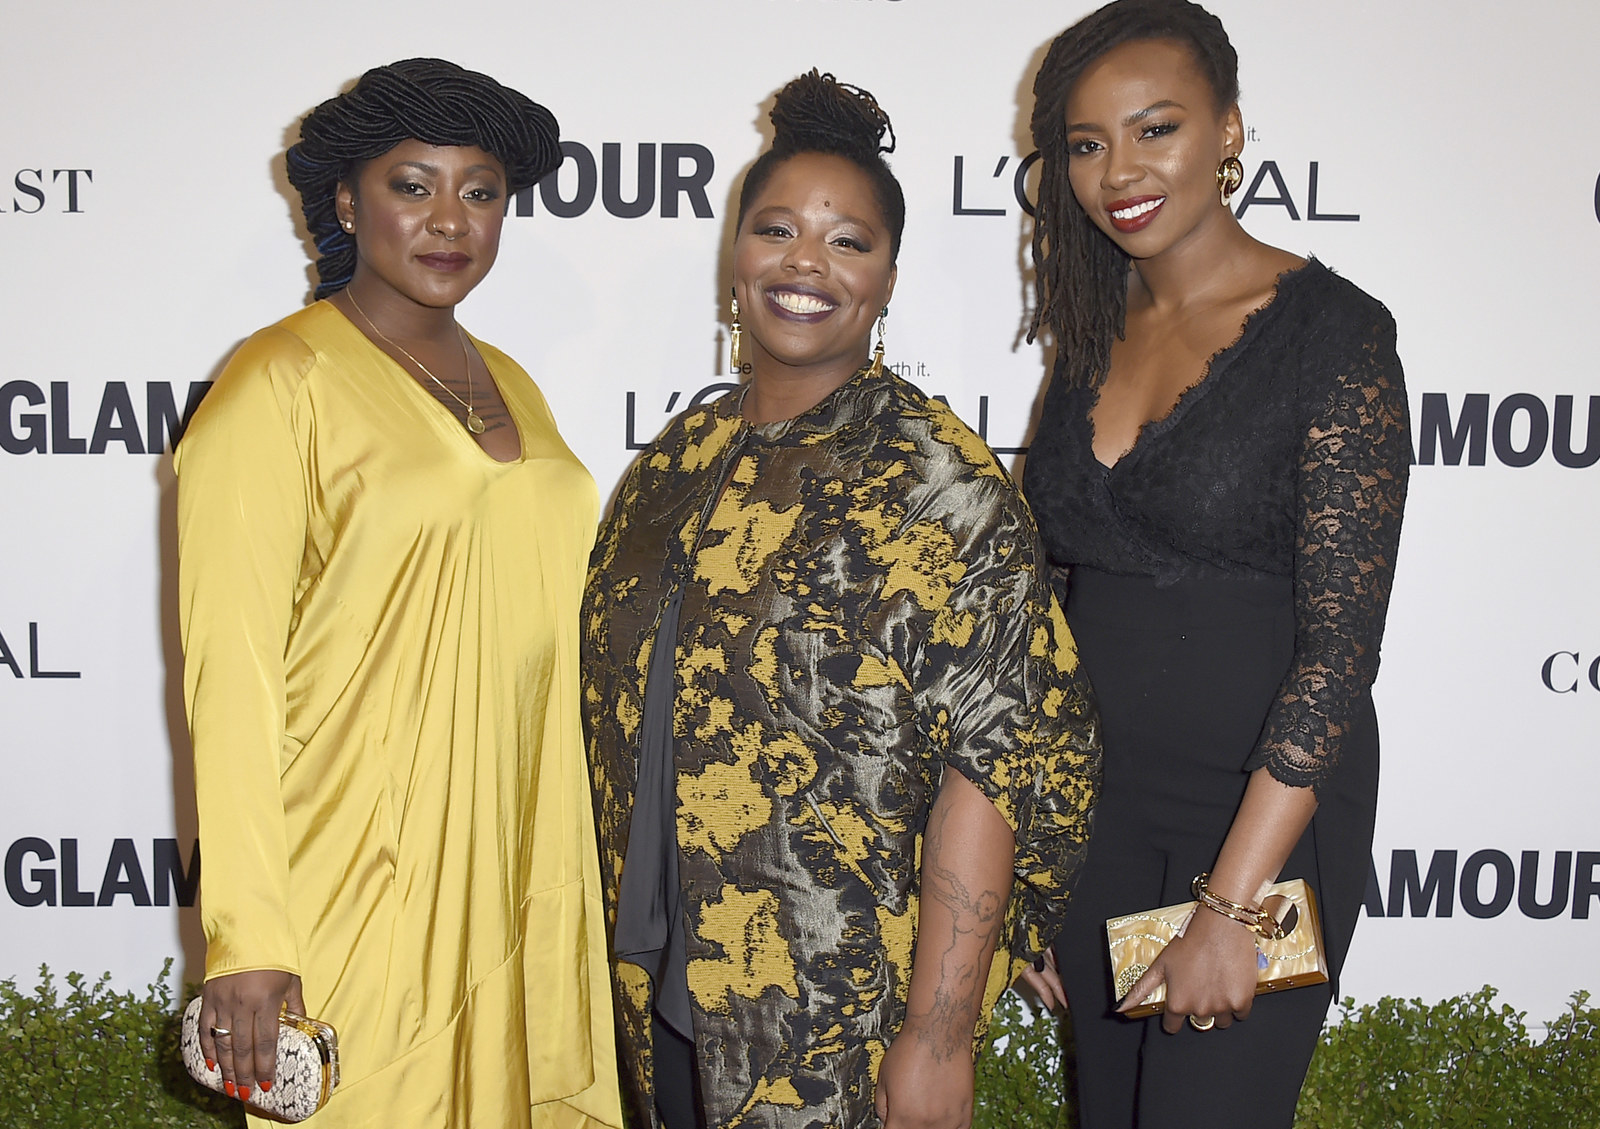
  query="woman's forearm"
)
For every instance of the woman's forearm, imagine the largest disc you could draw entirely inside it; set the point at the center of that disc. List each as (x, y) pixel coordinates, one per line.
(967, 856)
(1211, 970)
(1269, 823)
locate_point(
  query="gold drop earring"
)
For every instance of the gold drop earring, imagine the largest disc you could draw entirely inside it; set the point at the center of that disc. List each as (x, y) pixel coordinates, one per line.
(735, 337)
(877, 350)
(1230, 175)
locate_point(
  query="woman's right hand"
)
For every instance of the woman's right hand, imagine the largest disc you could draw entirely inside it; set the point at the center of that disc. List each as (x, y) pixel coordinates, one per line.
(244, 1007)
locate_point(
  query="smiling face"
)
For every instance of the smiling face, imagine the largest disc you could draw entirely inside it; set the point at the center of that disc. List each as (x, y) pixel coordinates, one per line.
(812, 268)
(1144, 138)
(427, 222)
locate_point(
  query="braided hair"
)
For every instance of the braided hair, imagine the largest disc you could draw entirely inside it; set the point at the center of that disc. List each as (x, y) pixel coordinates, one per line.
(429, 100)
(1080, 273)
(816, 113)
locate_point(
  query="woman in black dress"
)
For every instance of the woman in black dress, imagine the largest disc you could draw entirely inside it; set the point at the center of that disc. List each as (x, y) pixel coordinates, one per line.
(1218, 473)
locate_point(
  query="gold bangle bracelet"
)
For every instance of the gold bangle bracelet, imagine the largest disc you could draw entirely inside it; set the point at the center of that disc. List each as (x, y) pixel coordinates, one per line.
(1249, 923)
(1257, 920)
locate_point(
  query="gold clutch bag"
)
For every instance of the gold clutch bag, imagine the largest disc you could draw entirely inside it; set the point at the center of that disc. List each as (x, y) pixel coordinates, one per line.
(1291, 961)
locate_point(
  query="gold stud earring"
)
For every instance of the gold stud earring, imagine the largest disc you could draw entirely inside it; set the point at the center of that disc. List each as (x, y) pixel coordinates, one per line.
(735, 337)
(1230, 175)
(877, 350)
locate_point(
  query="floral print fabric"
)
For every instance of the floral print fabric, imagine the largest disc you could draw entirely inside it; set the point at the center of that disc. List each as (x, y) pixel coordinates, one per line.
(865, 603)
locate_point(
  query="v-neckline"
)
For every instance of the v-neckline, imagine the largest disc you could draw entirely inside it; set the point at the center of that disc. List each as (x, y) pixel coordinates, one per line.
(457, 427)
(1165, 422)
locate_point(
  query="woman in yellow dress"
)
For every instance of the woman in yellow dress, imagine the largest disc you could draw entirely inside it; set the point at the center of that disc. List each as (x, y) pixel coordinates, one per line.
(382, 542)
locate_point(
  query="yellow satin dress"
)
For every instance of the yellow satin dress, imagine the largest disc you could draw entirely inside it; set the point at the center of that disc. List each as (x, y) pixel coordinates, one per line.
(381, 661)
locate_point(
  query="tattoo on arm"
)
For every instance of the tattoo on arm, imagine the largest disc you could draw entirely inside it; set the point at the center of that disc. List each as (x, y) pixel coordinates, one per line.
(966, 869)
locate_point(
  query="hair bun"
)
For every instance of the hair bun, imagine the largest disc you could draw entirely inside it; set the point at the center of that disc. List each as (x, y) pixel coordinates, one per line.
(818, 113)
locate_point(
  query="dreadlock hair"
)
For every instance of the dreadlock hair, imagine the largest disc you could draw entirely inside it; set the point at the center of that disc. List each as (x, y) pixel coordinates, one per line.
(1080, 273)
(816, 113)
(429, 100)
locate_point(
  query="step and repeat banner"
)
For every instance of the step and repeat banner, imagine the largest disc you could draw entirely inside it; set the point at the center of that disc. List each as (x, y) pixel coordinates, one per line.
(1438, 154)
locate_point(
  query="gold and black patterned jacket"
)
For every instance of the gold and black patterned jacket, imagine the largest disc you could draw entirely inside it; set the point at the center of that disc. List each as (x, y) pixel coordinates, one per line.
(866, 604)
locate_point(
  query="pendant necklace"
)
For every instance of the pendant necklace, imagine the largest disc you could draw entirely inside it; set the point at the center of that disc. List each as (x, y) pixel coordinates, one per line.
(474, 420)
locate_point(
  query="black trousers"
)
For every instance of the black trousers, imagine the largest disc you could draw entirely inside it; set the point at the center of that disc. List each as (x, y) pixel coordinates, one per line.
(1185, 677)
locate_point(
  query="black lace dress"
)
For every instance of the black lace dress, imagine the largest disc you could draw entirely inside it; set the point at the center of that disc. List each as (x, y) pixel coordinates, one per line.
(1227, 582)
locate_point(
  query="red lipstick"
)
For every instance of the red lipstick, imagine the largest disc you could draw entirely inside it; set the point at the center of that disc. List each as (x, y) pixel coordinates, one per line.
(1136, 222)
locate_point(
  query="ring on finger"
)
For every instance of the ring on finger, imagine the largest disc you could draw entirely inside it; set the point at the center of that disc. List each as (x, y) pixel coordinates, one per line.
(1205, 1024)
(218, 1032)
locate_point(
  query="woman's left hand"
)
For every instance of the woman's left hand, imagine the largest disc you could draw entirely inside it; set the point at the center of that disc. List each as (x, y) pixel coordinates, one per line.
(1210, 972)
(923, 1083)
(1045, 979)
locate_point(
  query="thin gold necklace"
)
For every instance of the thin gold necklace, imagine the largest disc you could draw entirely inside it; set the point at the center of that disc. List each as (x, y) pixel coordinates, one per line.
(474, 420)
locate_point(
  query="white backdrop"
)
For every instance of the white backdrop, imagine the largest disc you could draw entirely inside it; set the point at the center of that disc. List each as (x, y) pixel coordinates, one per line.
(147, 229)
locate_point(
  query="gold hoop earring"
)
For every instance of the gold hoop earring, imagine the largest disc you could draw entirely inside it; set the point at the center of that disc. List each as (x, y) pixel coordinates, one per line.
(877, 350)
(1230, 175)
(735, 338)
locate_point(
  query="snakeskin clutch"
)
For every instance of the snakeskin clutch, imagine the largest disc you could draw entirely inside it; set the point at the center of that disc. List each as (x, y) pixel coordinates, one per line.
(307, 1072)
(1295, 960)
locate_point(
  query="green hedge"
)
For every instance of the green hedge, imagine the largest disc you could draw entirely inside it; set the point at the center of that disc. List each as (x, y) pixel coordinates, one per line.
(88, 1056)
(1460, 1062)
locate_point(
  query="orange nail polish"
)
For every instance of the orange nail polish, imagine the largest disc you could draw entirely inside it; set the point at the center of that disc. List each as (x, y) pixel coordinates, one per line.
(210, 1064)
(265, 1086)
(244, 1093)
(227, 1088)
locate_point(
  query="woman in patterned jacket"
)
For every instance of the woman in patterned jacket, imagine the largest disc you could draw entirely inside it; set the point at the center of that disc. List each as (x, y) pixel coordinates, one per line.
(842, 753)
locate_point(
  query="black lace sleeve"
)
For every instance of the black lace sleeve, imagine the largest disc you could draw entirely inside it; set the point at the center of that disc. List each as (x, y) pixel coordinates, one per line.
(1351, 488)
